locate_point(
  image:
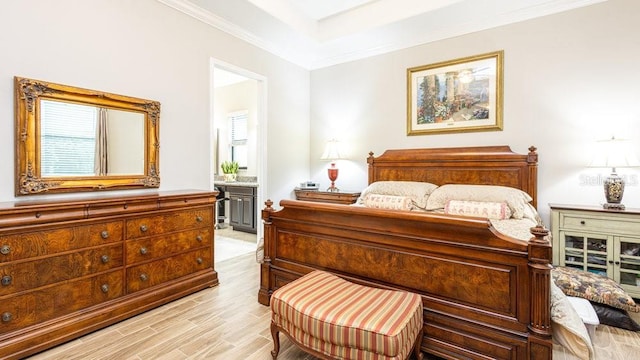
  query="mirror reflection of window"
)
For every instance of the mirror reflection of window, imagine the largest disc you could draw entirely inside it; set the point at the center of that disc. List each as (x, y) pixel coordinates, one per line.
(67, 138)
(239, 135)
(82, 140)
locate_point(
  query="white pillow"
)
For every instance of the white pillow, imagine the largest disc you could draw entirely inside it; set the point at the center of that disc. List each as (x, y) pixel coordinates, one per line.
(567, 326)
(391, 202)
(415, 190)
(515, 198)
(491, 210)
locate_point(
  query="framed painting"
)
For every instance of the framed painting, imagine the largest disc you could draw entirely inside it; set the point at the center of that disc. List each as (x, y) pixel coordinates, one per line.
(456, 96)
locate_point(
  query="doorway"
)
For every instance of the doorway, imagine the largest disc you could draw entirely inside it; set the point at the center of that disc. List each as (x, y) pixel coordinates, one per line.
(238, 94)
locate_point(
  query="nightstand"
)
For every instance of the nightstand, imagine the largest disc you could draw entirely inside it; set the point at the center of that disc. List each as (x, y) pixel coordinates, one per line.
(335, 197)
(602, 241)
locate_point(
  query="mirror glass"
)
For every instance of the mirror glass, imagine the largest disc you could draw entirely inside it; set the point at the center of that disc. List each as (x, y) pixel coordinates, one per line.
(73, 139)
(84, 140)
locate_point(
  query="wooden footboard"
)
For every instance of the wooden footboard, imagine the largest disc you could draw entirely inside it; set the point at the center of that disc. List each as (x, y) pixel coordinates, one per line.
(485, 295)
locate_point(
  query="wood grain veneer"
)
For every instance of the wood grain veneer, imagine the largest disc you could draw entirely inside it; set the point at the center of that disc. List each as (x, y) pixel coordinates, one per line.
(485, 294)
(70, 267)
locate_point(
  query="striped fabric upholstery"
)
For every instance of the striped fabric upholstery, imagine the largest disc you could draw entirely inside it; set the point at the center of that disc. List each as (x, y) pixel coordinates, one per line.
(344, 320)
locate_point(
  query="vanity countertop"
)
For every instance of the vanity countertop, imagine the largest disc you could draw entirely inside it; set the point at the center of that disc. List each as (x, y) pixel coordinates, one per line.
(235, 183)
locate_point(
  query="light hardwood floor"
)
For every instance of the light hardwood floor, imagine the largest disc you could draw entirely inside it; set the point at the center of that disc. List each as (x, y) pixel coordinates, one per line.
(224, 322)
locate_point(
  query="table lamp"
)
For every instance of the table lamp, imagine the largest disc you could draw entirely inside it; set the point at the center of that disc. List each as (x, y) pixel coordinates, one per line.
(332, 153)
(614, 153)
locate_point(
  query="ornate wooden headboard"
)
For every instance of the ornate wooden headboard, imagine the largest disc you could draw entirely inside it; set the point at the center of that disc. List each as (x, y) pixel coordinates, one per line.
(485, 165)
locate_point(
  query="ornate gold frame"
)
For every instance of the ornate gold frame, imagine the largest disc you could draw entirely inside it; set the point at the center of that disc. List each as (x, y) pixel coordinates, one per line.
(28, 180)
(492, 66)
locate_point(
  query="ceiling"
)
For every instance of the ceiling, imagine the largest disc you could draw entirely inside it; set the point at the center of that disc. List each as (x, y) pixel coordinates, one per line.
(320, 33)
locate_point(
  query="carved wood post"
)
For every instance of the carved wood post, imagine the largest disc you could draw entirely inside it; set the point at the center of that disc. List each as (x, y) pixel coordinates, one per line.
(265, 268)
(370, 166)
(532, 161)
(540, 345)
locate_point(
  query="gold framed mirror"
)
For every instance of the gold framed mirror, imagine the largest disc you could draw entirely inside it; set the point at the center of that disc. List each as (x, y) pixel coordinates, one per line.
(71, 139)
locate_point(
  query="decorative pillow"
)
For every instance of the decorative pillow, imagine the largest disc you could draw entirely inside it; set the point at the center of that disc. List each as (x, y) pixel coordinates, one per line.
(567, 326)
(611, 316)
(388, 202)
(515, 198)
(415, 190)
(530, 212)
(491, 210)
(593, 287)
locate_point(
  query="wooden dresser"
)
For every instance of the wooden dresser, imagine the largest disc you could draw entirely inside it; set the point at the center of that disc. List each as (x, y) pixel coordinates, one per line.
(71, 267)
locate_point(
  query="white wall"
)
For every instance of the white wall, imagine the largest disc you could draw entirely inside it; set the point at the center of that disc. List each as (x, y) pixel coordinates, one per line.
(145, 49)
(233, 98)
(569, 79)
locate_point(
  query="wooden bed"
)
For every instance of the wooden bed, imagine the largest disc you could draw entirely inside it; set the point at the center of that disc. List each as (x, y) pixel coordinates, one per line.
(485, 295)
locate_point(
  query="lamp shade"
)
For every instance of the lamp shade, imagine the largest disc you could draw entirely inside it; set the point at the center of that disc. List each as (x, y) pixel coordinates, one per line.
(331, 151)
(614, 153)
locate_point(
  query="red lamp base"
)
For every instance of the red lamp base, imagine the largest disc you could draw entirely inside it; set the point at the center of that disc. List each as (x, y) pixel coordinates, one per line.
(333, 176)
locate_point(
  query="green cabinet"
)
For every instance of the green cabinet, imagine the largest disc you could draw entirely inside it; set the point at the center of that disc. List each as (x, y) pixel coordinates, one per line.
(600, 241)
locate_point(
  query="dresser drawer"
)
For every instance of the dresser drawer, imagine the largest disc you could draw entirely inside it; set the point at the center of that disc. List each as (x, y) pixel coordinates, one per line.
(170, 222)
(51, 302)
(20, 276)
(617, 225)
(150, 248)
(52, 241)
(154, 273)
(28, 215)
(186, 201)
(121, 207)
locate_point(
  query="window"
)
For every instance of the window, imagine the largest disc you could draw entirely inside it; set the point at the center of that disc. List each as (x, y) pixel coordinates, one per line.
(67, 138)
(238, 122)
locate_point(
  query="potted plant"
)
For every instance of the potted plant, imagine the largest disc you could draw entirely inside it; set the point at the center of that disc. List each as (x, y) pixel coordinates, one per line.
(230, 170)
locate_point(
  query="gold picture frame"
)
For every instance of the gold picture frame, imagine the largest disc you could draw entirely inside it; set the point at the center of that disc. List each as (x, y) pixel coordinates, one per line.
(31, 177)
(460, 95)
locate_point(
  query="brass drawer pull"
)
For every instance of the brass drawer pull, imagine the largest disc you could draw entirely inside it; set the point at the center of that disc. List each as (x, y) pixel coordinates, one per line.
(6, 317)
(104, 258)
(199, 260)
(104, 234)
(199, 238)
(104, 288)
(199, 218)
(144, 228)
(143, 250)
(6, 280)
(144, 277)
(5, 249)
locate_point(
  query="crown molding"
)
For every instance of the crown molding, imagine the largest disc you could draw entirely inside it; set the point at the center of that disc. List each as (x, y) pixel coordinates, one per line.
(361, 45)
(228, 27)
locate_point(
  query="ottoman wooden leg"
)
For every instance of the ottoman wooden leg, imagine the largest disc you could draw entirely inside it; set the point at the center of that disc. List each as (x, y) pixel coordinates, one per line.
(276, 340)
(417, 352)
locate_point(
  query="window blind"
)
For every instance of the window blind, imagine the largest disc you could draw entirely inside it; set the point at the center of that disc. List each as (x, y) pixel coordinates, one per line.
(67, 138)
(238, 128)
(239, 135)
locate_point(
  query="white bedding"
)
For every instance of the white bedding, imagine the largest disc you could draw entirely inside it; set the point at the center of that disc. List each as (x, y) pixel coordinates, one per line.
(518, 226)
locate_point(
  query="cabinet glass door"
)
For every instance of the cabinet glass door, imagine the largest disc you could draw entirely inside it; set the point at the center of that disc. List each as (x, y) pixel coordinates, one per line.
(628, 255)
(585, 252)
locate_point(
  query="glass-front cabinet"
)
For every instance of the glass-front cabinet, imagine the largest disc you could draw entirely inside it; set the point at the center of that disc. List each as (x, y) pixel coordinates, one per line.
(585, 252)
(627, 254)
(600, 241)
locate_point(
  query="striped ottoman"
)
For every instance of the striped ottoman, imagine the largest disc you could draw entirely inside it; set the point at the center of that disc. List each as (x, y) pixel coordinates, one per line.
(332, 318)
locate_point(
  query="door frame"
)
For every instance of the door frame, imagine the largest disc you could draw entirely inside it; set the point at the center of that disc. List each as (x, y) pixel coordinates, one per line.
(261, 144)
